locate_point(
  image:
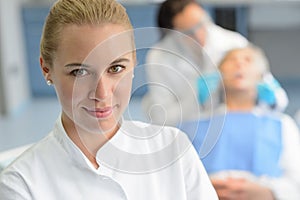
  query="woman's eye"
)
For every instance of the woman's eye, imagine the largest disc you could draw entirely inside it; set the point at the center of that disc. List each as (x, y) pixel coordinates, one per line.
(116, 69)
(79, 72)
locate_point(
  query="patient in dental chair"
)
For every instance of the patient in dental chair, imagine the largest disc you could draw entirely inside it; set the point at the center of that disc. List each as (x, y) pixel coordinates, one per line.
(249, 152)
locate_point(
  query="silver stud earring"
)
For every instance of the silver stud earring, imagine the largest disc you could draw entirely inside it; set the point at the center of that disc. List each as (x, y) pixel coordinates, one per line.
(49, 82)
(132, 75)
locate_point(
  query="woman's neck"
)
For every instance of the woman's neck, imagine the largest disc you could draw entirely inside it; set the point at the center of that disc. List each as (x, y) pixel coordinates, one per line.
(89, 143)
(241, 100)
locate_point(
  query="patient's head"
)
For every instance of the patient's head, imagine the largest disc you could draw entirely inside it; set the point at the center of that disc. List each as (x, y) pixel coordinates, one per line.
(243, 68)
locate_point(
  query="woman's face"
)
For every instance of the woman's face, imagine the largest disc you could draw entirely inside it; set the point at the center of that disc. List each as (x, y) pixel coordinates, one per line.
(92, 75)
(192, 21)
(239, 71)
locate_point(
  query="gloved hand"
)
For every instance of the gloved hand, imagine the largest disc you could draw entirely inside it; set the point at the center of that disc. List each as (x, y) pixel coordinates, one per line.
(206, 85)
(266, 92)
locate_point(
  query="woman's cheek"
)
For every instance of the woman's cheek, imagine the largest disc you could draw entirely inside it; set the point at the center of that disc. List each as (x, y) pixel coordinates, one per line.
(122, 89)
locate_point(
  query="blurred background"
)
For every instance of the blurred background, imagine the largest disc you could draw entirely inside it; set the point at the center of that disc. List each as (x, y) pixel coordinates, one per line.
(28, 106)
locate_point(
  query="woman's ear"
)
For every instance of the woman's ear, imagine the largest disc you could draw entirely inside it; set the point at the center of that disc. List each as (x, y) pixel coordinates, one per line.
(45, 70)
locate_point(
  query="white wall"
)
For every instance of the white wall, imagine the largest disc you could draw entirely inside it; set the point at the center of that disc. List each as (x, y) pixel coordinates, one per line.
(281, 15)
(276, 28)
(14, 92)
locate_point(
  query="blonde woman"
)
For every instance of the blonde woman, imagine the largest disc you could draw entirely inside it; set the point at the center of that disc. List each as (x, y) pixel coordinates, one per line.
(88, 56)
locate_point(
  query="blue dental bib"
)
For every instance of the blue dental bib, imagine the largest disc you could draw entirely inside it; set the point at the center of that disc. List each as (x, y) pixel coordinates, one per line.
(238, 141)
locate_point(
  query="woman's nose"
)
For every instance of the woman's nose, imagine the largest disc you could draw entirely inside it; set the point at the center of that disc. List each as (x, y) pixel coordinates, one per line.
(101, 90)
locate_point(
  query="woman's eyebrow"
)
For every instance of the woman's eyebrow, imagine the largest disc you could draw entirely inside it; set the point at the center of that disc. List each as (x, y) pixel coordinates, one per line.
(88, 66)
(77, 65)
(120, 60)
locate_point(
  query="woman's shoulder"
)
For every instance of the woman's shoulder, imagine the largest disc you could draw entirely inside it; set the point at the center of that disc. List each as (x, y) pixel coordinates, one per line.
(32, 156)
(140, 129)
(160, 136)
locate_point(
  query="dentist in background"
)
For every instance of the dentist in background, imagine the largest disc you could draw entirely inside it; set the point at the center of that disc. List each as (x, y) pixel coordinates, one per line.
(181, 69)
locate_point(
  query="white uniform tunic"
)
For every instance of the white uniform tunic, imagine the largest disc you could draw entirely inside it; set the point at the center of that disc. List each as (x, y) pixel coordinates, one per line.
(140, 162)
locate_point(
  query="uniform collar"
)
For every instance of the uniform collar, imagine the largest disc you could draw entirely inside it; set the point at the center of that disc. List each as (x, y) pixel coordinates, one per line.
(69, 146)
(72, 150)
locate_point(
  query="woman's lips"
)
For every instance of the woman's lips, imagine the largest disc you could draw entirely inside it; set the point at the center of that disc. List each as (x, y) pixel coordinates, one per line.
(100, 113)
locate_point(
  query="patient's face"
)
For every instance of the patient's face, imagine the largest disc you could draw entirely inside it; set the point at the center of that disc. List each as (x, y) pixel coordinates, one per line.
(239, 71)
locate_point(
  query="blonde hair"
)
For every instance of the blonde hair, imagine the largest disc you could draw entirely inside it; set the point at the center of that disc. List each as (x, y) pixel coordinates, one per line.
(78, 12)
(260, 58)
